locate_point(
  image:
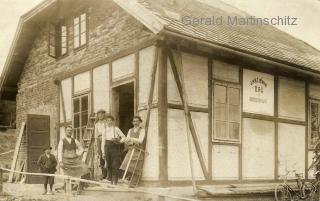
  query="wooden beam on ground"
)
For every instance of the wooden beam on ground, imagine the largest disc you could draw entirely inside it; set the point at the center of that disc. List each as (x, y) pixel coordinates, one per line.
(16, 151)
(183, 96)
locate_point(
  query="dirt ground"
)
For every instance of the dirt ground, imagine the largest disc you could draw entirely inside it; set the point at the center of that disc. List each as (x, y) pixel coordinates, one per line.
(32, 192)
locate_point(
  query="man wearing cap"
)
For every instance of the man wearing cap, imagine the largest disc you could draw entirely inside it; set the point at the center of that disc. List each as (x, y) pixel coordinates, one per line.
(99, 130)
(48, 164)
(110, 147)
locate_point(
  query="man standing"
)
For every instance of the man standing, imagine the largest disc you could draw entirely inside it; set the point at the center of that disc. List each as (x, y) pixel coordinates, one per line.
(110, 147)
(99, 130)
(69, 156)
(134, 139)
(48, 164)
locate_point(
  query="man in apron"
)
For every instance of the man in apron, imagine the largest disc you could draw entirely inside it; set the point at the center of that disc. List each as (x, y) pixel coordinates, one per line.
(70, 156)
(110, 147)
(134, 141)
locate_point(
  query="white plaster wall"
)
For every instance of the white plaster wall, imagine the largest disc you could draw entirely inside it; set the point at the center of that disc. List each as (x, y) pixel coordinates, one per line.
(225, 71)
(67, 99)
(151, 164)
(172, 89)
(82, 82)
(225, 162)
(178, 158)
(258, 149)
(314, 91)
(123, 67)
(310, 160)
(195, 74)
(291, 99)
(101, 88)
(258, 102)
(291, 146)
(200, 121)
(146, 60)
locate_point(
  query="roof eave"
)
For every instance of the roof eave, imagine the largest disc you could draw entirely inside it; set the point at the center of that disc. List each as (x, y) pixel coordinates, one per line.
(23, 19)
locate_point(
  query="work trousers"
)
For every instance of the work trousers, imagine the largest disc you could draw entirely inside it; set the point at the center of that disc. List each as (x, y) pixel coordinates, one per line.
(48, 180)
(113, 156)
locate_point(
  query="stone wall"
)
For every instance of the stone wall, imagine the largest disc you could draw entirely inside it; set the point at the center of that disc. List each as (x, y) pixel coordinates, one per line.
(111, 30)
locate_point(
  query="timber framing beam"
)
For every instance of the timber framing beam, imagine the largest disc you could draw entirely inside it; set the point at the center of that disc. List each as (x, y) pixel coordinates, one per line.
(163, 117)
(182, 93)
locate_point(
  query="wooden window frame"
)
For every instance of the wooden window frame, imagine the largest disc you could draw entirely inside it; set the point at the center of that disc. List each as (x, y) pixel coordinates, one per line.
(310, 101)
(55, 34)
(80, 96)
(79, 31)
(227, 85)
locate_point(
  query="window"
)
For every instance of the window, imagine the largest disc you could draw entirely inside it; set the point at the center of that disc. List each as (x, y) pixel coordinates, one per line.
(80, 30)
(314, 110)
(80, 115)
(226, 112)
(58, 39)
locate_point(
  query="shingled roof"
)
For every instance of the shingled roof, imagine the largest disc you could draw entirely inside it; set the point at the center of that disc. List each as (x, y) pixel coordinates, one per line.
(265, 41)
(164, 16)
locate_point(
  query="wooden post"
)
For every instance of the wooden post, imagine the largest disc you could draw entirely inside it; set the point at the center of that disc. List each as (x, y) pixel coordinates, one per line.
(68, 189)
(183, 96)
(16, 152)
(163, 117)
(1, 181)
(180, 84)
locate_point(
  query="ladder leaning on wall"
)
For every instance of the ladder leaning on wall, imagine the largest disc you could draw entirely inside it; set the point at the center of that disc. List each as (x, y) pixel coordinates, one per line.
(88, 144)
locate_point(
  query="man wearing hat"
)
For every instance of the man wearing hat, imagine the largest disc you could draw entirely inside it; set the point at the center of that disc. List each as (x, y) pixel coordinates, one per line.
(134, 140)
(99, 130)
(47, 164)
(110, 147)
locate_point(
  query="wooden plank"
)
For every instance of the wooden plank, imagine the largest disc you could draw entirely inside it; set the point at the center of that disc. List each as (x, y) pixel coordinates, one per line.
(182, 93)
(276, 130)
(307, 92)
(117, 55)
(136, 82)
(162, 117)
(191, 108)
(142, 14)
(210, 115)
(16, 151)
(151, 90)
(240, 162)
(62, 104)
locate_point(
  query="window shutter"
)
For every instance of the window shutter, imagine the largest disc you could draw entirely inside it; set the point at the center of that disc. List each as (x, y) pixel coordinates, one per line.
(52, 40)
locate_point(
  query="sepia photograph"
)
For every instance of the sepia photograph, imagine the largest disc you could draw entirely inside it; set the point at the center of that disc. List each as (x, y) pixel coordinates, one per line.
(160, 100)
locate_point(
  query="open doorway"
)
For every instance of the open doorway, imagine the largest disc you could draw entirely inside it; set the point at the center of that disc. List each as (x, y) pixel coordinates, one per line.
(123, 106)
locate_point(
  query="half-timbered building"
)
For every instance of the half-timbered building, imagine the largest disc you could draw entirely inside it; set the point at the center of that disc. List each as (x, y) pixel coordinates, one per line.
(249, 96)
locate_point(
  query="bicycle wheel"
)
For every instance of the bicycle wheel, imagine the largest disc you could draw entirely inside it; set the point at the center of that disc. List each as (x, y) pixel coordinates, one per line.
(281, 193)
(314, 193)
(308, 191)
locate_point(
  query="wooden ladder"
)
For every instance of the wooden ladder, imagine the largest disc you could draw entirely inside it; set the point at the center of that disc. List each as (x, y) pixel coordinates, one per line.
(88, 141)
(138, 167)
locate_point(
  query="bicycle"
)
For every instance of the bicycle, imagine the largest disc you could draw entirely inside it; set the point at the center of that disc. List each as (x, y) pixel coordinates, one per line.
(284, 192)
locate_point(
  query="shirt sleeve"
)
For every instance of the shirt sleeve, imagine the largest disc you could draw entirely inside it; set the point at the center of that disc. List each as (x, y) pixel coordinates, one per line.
(96, 132)
(141, 137)
(39, 163)
(60, 146)
(120, 133)
(103, 142)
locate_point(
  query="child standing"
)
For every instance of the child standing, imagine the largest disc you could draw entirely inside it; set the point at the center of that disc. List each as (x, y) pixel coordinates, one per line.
(48, 164)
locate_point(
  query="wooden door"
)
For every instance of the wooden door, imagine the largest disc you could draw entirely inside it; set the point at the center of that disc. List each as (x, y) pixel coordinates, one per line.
(38, 137)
